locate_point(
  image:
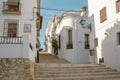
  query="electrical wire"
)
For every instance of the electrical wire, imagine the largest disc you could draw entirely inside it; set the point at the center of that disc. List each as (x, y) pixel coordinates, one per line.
(51, 9)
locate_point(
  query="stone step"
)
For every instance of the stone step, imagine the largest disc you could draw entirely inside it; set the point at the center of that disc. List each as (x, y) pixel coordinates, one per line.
(81, 77)
(73, 72)
(53, 68)
(46, 67)
(67, 65)
(65, 68)
(76, 74)
(82, 71)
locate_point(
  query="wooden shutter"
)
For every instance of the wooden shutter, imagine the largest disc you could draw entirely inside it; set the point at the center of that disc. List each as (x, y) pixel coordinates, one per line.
(103, 15)
(118, 6)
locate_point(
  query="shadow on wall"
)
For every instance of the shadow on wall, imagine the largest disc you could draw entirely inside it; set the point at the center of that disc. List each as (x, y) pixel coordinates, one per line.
(111, 46)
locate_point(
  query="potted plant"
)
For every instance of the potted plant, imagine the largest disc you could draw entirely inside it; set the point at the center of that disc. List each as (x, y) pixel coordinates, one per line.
(69, 46)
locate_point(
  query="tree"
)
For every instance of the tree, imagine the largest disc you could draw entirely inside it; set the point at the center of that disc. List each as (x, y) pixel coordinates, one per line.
(84, 8)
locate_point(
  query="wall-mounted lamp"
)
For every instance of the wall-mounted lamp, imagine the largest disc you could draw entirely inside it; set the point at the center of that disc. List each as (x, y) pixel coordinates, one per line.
(34, 12)
(84, 24)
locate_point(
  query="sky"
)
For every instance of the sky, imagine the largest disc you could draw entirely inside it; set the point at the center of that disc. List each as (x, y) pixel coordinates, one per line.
(65, 5)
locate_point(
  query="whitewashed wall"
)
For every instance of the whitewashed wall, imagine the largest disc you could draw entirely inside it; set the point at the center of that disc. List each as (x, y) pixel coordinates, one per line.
(78, 54)
(107, 45)
(25, 18)
(11, 50)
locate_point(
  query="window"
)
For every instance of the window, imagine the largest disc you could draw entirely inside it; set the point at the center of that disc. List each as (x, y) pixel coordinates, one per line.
(103, 15)
(59, 41)
(10, 28)
(86, 41)
(69, 44)
(69, 36)
(118, 6)
(96, 42)
(118, 38)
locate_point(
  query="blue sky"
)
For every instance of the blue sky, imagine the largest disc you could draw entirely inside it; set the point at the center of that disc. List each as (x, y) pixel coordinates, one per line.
(57, 4)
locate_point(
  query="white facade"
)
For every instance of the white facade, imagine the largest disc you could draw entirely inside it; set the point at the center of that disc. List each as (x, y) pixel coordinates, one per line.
(49, 34)
(22, 16)
(106, 32)
(70, 21)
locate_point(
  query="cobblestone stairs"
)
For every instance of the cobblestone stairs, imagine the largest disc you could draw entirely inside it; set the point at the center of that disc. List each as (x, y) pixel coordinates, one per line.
(63, 70)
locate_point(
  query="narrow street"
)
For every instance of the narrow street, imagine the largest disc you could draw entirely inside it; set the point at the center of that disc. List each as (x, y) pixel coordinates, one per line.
(53, 68)
(49, 58)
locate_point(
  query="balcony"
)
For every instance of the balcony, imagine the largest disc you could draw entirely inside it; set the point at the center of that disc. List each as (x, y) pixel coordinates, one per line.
(11, 8)
(11, 40)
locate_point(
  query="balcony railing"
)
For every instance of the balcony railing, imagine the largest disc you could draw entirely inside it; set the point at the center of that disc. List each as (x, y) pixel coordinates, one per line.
(11, 40)
(11, 8)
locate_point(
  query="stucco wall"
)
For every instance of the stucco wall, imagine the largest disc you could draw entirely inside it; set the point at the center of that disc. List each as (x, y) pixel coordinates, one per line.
(11, 50)
(106, 32)
(78, 54)
(26, 17)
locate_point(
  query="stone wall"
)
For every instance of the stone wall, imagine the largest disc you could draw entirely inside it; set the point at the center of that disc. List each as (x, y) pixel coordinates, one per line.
(16, 69)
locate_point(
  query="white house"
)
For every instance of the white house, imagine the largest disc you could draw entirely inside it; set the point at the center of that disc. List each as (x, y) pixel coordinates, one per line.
(72, 35)
(105, 36)
(19, 30)
(50, 31)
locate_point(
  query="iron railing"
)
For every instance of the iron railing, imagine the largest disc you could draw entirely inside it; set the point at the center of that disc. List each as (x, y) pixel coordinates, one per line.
(11, 40)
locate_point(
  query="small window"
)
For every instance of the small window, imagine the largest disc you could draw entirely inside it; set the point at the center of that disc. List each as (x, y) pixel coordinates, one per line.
(118, 38)
(59, 41)
(96, 42)
(69, 36)
(69, 44)
(86, 41)
(118, 6)
(103, 14)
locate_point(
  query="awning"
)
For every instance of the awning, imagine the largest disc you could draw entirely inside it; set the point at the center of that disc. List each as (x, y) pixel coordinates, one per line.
(13, 2)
